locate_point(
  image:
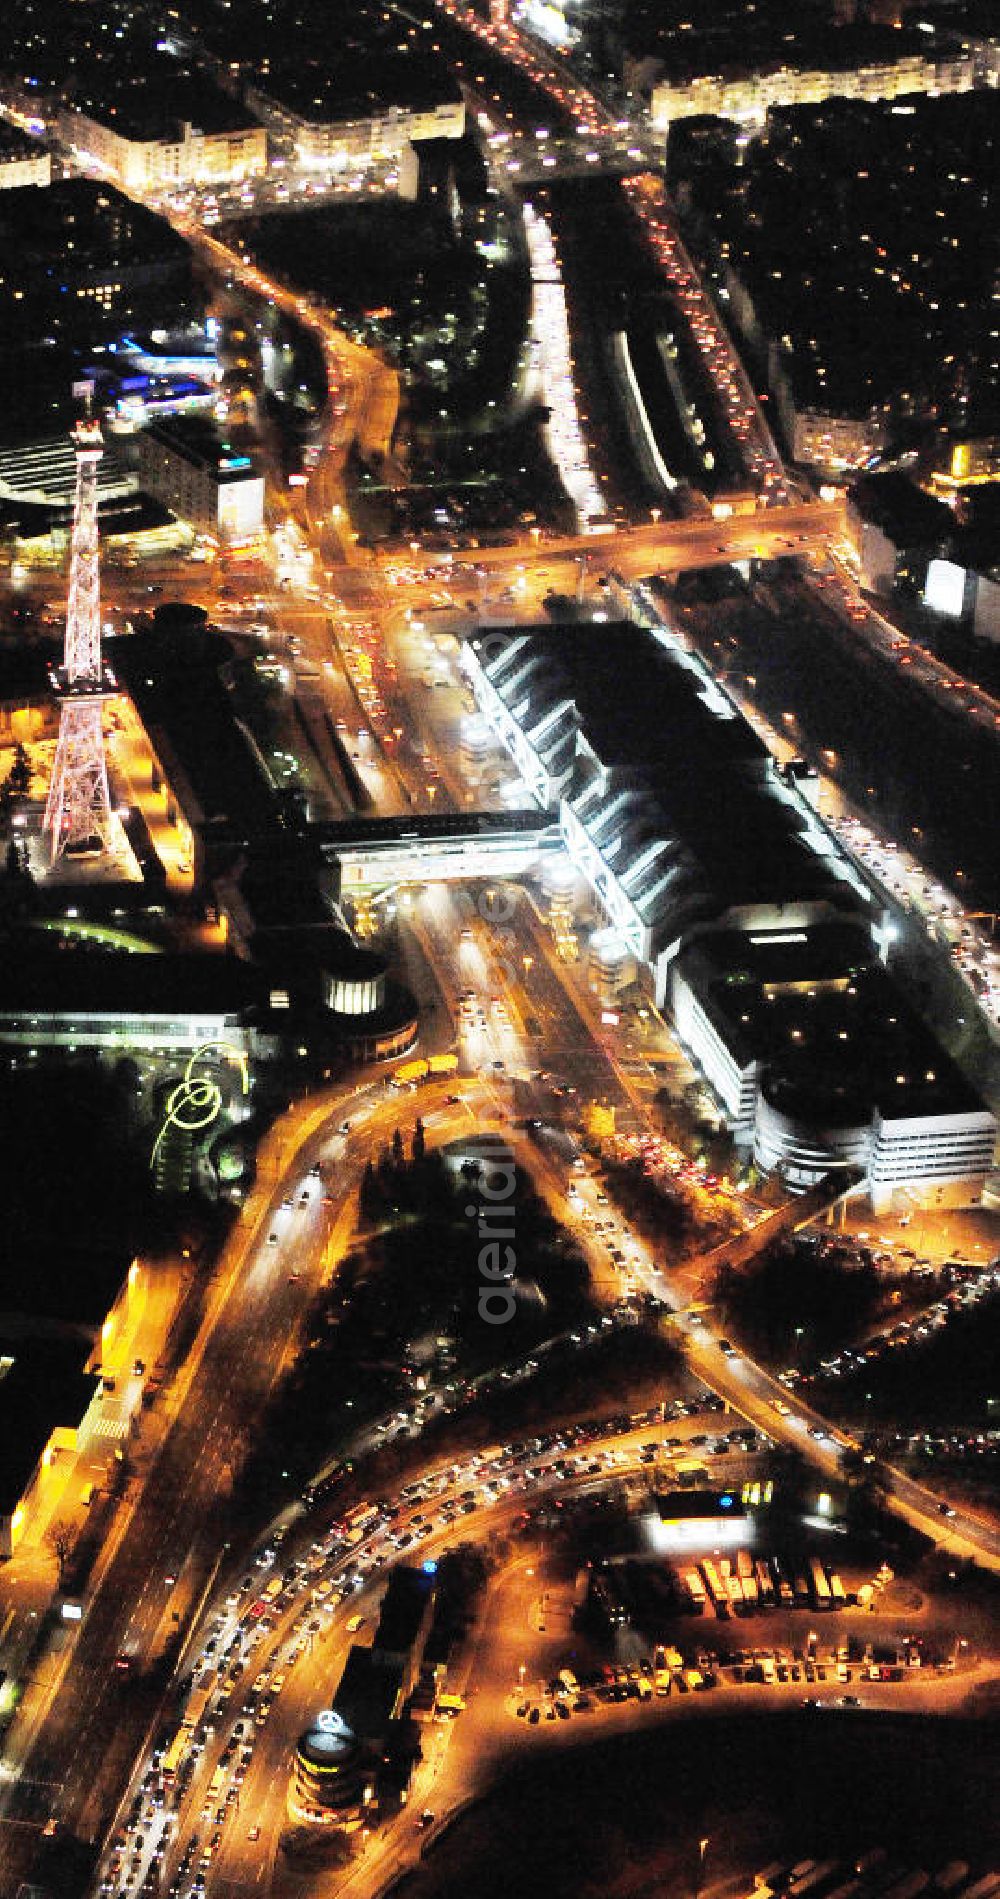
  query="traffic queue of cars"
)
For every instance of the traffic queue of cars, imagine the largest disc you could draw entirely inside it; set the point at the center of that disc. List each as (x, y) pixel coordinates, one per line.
(191, 1784)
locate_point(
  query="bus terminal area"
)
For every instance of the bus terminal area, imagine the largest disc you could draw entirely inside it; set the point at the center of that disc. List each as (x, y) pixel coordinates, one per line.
(755, 1604)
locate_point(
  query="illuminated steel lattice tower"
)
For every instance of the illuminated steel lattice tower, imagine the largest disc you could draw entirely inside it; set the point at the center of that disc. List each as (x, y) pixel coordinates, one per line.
(78, 812)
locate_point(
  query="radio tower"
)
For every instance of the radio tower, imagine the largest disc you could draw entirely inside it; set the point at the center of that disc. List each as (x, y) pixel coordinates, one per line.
(78, 812)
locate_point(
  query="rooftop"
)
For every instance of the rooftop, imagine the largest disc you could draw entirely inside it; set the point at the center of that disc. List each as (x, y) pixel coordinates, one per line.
(65, 1293)
(359, 85)
(673, 1505)
(669, 781)
(804, 45)
(158, 102)
(832, 1032)
(87, 981)
(407, 1601)
(368, 1696)
(15, 144)
(283, 47)
(42, 1385)
(173, 678)
(41, 225)
(199, 443)
(904, 512)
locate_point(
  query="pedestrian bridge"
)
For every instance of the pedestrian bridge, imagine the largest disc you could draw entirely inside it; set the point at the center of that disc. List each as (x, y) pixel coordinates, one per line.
(441, 846)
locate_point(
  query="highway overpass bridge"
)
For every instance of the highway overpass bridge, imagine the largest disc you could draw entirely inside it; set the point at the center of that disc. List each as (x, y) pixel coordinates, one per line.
(372, 853)
(663, 544)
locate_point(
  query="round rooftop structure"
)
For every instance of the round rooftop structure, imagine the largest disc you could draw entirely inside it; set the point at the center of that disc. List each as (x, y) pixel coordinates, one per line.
(557, 874)
(331, 1769)
(329, 1744)
(355, 979)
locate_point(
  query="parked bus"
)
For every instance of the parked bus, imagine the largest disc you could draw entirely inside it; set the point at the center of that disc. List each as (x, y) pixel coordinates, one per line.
(820, 1587)
(410, 1073)
(695, 1589)
(748, 1581)
(816, 1876)
(765, 1585)
(718, 1596)
(217, 1788)
(838, 1593)
(734, 1590)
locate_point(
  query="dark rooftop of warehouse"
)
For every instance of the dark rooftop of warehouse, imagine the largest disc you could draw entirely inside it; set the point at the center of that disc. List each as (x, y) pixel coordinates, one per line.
(706, 778)
(826, 1022)
(173, 678)
(42, 1384)
(81, 980)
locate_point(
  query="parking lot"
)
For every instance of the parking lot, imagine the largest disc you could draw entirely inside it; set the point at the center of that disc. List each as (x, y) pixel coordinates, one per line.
(811, 1673)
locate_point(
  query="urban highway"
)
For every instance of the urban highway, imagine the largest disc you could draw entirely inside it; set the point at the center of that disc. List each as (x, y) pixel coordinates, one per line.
(522, 1031)
(69, 1764)
(271, 1645)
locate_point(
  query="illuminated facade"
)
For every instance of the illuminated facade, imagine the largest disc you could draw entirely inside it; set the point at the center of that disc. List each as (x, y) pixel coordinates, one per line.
(23, 163)
(189, 157)
(335, 143)
(201, 479)
(749, 96)
(819, 438)
(63, 1403)
(333, 1776)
